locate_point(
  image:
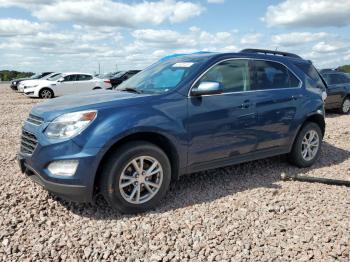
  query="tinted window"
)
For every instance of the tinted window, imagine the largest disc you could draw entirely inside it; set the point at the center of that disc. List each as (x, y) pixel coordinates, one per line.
(272, 75)
(70, 78)
(84, 77)
(233, 75)
(311, 72)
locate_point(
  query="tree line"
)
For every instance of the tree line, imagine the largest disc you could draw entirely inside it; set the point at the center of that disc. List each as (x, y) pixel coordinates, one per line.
(8, 75)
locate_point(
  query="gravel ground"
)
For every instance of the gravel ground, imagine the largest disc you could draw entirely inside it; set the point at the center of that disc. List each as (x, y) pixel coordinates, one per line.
(238, 213)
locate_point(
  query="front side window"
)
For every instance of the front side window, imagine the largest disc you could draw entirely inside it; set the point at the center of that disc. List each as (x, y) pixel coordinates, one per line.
(272, 75)
(233, 75)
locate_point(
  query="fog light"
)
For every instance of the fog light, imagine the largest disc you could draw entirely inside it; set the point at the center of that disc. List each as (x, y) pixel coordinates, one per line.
(63, 167)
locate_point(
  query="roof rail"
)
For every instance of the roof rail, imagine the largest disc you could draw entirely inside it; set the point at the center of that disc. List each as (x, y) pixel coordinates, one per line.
(270, 52)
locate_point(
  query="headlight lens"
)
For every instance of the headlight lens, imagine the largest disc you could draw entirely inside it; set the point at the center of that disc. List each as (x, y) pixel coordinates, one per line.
(71, 124)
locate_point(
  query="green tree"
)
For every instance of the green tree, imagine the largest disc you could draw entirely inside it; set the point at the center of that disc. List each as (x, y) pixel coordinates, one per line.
(344, 68)
(8, 75)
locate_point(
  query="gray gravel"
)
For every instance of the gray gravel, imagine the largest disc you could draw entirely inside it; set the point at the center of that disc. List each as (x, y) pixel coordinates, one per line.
(238, 213)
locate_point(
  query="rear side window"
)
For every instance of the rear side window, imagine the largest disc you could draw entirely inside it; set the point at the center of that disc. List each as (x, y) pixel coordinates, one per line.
(233, 75)
(272, 75)
(310, 71)
(84, 77)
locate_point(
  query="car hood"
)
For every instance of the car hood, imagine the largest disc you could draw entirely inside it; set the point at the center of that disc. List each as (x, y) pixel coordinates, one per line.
(97, 99)
(34, 82)
(19, 79)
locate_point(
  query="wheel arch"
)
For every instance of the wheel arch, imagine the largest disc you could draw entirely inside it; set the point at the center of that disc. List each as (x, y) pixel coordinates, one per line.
(316, 118)
(48, 88)
(157, 139)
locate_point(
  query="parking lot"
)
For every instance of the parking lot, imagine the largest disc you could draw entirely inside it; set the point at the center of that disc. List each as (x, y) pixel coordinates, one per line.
(243, 212)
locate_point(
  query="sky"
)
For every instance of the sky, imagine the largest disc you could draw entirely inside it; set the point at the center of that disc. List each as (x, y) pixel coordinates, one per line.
(78, 35)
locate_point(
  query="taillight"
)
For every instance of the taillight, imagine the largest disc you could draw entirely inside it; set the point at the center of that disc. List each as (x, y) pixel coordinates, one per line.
(107, 81)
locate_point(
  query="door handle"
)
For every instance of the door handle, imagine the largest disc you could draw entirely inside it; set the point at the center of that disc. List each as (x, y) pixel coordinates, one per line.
(296, 97)
(246, 104)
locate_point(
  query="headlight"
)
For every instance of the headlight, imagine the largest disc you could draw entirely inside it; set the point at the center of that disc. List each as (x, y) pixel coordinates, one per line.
(71, 124)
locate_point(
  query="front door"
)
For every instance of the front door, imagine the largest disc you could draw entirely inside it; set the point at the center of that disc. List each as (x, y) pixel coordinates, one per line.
(67, 86)
(222, 126)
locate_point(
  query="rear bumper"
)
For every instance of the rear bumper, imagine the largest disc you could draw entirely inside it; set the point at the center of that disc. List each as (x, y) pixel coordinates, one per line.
(76, 193)
(13, 87)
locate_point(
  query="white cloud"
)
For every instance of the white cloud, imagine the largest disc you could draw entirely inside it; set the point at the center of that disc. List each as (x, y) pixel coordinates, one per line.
(216, 1)
(111, 13)
(251, 39)
(298, 38)
(309, 13)
(12, 27)
(330, 47)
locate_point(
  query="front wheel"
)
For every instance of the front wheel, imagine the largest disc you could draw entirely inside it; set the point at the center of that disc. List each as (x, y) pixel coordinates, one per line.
(345, 107)
(46, 93)
(307, 146)
(136, 177)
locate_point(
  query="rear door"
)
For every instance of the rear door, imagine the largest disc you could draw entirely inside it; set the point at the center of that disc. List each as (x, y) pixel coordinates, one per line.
(223, 127)
(278, 93)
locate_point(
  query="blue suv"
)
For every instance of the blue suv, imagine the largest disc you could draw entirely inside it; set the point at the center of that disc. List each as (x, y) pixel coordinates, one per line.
(178, 116)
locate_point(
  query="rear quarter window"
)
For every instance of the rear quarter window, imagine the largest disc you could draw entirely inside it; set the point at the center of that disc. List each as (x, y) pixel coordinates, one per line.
(313, 77)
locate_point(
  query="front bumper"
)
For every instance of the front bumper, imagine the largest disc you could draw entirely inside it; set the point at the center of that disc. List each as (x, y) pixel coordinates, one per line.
(76, 193)
(80, 186)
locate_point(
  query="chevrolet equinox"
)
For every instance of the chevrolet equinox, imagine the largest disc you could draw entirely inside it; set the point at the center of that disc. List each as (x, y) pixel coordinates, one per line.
(178, 116)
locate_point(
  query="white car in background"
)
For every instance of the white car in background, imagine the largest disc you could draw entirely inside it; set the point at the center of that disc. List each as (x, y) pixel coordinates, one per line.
(50, 77)
(66, 84)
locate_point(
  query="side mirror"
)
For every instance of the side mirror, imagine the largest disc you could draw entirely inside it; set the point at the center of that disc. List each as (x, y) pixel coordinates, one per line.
(207, 88)
(60, 80)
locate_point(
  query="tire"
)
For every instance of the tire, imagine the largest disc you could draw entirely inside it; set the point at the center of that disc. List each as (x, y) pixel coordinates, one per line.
(345, 106)
(97, 88)
(120, 162)
(46, 93)
(296, 155)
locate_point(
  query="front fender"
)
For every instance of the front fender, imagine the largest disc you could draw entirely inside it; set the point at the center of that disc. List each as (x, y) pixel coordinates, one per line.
(112, 125)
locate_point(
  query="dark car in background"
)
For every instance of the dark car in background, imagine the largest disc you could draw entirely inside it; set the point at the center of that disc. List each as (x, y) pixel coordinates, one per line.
(338, 90)
(122, 76)
(179, 116)
(16, 82)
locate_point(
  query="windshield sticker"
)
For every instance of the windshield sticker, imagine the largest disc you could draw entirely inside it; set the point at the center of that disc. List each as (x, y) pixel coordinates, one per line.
(185, 64)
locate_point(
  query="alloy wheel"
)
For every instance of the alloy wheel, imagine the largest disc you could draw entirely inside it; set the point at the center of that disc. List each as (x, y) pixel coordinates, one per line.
(141, 179)
(310, 145)
(346, 106)
(46, 94)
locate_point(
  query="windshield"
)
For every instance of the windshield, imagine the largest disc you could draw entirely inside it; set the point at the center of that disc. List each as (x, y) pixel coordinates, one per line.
(54, 77)
(119, 74)
(36, 76)
(163, 76)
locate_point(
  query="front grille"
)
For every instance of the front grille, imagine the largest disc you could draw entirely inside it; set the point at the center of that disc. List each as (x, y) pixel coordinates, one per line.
(35, 120)
(28, 143)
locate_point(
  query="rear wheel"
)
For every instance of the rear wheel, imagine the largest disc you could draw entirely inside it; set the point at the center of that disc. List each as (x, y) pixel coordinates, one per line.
(46, 93)
(345, 107)
(97, 88)
(136, 177)
(307, 146)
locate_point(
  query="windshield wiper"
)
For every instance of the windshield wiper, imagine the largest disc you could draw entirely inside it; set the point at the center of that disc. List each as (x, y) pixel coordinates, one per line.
(130, 89)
